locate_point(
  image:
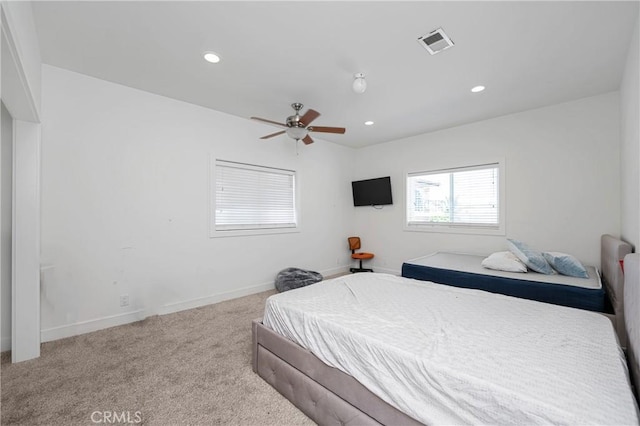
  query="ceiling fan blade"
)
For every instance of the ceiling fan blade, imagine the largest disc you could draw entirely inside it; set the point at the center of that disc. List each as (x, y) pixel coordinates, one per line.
(307, 140)
(273, 134)
(269, 121)
(327, 129)
(309, 116)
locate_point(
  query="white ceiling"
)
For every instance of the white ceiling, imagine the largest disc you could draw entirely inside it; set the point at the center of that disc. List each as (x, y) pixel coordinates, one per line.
(527, 54)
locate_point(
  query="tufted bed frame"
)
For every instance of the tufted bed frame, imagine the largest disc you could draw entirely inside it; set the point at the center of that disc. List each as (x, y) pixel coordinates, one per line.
(330, 397)
(632, 315)
(612, 252)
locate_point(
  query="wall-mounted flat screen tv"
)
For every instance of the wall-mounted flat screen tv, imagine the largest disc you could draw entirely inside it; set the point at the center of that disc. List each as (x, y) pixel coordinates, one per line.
(372, 192)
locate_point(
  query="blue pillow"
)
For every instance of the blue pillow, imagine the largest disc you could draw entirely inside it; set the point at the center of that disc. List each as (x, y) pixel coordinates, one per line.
(566, 264)
(531, 257)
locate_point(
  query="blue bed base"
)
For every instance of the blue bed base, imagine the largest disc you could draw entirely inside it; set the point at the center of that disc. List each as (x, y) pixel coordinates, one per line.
(557, 294)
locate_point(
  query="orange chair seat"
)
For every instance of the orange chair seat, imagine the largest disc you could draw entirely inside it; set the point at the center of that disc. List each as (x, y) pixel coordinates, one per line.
(362, 256)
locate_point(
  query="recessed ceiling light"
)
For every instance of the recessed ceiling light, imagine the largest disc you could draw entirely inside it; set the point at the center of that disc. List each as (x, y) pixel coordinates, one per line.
(477, 89)
(211, 57)
(368, 123)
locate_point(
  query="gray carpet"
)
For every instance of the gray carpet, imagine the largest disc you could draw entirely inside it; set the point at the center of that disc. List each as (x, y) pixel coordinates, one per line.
(192, 367)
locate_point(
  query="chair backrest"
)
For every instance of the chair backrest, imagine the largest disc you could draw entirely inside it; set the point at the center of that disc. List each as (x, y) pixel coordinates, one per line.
(354, 243)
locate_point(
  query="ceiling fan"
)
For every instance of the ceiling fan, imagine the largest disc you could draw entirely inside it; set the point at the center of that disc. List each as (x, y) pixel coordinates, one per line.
(297, 127)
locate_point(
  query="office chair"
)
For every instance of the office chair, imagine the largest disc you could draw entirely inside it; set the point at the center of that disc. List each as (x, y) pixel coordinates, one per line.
(354, 244)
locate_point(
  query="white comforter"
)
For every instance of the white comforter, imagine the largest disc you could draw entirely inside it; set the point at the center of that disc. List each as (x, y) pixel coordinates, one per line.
(446, 355)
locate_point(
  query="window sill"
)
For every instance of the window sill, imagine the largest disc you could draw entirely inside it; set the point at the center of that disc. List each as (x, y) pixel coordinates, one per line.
(447, 229)
(248, 232)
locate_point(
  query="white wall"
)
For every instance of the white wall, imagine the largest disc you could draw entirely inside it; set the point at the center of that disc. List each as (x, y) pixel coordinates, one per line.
(6, 179)
(630, 147)
(125, 205)
(562, 181)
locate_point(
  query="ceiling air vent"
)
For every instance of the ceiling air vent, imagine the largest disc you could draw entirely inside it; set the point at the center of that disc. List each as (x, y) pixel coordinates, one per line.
(436, 41)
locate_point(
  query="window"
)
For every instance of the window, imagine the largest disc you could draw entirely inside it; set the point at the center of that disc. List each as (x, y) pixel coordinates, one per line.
(250, 199)
(465, 199)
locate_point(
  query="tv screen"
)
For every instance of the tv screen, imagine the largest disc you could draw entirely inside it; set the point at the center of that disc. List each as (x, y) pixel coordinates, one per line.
(372, 192)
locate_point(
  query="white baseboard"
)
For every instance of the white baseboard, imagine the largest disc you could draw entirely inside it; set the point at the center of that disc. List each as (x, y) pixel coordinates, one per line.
(217, 298)
(345, 268)
(89, 326)
(170, 308)
(334, 271)
(5, 344)
(83, 327)
(386, 271)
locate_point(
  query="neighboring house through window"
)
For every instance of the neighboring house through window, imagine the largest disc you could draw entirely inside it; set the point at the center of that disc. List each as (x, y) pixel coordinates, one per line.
(464, 200)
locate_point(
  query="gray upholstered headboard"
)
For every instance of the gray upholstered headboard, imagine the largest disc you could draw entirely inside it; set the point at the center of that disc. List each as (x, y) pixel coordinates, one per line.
(612, 251)
(632, 314)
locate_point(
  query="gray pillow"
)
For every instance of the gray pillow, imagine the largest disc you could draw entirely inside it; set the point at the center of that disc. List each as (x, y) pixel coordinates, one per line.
(566, 264)
(531, 257)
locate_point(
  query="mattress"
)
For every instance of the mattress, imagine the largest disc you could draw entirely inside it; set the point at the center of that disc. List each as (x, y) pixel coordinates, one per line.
(447, 355)
(464, 270)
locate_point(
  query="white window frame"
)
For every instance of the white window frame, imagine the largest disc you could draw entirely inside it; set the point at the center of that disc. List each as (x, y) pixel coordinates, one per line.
(475, 229)
(217, 231)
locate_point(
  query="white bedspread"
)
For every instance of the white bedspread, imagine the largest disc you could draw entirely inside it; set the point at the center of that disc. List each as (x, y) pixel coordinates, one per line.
(446, 355)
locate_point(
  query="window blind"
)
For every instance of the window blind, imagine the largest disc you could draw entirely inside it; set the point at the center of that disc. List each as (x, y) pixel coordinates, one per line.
(466, 196)
(253, 197)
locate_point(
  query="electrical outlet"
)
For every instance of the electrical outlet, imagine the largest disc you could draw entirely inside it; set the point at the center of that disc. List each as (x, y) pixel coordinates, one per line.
(124, 300)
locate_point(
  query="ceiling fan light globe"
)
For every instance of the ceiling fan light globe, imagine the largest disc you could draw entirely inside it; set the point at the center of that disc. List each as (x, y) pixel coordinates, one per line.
(297, 133)
(359, 83)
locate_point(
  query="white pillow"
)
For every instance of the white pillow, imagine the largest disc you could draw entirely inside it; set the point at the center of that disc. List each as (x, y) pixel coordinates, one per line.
(504, 261)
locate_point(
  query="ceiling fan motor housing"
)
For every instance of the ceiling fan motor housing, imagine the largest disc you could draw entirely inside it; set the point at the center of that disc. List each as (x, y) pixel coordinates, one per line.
(294, 121)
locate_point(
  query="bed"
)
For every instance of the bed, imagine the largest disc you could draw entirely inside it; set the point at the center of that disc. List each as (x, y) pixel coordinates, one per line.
(465, 270)
(332, 387)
